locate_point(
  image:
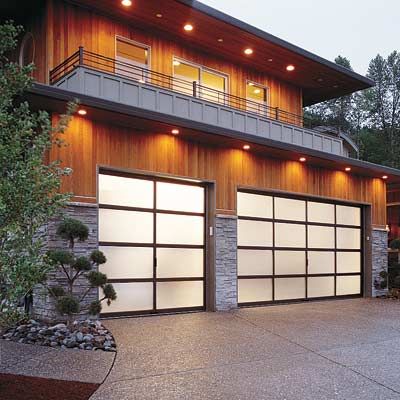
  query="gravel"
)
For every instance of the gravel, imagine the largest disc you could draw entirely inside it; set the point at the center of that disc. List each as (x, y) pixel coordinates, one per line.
(84, 335)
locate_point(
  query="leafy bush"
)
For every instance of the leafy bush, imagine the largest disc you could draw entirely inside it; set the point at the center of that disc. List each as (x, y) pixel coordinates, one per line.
(73, 268)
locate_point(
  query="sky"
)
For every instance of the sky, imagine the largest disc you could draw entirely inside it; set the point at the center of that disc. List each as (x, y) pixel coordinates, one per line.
(356, 29)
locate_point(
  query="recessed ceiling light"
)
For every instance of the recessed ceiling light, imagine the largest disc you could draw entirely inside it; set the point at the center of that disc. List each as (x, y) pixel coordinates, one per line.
(290, 68)
(176, 63)
(82, 111)
(257, 91)
(320, 80)
(126, 3)
(220, 40)
(302, 159)
(246, 147)
(270, 60)
(175, 131)
(347, 169)
(188, 27)
(159, 15)
(384, 177)
(248, 51)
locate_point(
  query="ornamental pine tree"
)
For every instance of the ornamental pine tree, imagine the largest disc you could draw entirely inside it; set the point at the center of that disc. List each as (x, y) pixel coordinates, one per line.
(72, 268)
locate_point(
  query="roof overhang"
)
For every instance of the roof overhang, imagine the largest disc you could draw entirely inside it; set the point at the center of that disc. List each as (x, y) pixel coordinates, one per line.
(318, 78)
(54, 99)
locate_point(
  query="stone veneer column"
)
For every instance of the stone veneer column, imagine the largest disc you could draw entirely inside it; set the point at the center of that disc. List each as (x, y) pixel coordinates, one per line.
(225, 262)
(43, 303)
(379, 259)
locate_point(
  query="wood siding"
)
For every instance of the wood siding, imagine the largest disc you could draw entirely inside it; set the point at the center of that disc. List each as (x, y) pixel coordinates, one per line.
(69, 26)
(94, 143)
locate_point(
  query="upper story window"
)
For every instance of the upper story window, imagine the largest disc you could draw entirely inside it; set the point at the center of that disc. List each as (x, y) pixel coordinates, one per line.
(256, 96)
(133, 59)
(199, 81)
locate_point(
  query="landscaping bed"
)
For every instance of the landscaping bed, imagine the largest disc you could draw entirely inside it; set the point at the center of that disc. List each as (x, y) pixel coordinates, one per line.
(84, 335)
(17, 387)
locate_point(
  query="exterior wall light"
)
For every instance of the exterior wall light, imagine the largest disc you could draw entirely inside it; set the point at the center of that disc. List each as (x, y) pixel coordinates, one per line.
(82, 111)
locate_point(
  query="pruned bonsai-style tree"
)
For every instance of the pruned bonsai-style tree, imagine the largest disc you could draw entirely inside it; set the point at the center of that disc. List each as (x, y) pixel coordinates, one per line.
(68, 301)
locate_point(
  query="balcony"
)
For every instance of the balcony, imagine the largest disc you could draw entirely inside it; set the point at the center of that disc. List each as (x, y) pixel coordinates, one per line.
(92, 74)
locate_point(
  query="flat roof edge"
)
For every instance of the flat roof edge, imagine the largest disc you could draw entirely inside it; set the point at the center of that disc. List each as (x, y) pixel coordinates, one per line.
(197, 5)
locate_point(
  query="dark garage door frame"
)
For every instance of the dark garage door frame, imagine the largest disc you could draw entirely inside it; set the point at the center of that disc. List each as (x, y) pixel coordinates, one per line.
(306, 223)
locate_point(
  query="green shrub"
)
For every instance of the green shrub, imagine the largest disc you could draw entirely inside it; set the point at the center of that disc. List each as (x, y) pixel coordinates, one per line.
(68, 305)
(395, 244)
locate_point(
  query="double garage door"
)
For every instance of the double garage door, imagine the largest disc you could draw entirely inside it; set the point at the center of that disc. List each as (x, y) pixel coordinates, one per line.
(152, 232)
(297, 249)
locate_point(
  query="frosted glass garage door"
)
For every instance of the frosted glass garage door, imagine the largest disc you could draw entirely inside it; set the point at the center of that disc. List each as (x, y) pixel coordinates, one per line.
(152, 234)
(296, 249)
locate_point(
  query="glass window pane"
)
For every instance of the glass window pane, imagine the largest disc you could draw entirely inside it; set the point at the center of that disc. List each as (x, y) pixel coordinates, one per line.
(254, 262)
(256, 92)
(321, 212)
(348, 238)
(290, 235)
(348, 262)
(254, 233)
(321, 286)
(132, 52)
(125, 226)
(180, 229)
(137, 296)
(172, 263)
(294, 210)
(127, 262)
(346, 285)
(179, 294)
(321, 237)
(213, 80)
(254, 290)
(173, 196)
(290, 262)
(321, 262)
(121, 191)
(290, 288)
(186, 74)
(254, 205)
(346, 215)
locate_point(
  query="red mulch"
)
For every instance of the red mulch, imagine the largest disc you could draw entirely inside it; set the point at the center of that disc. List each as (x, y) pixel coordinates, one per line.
(18, 387)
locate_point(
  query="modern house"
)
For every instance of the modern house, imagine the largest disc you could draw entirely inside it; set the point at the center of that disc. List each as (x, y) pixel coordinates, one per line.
(193, 165)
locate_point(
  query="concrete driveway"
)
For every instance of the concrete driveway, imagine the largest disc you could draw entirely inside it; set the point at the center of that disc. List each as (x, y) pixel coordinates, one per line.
(346, 349)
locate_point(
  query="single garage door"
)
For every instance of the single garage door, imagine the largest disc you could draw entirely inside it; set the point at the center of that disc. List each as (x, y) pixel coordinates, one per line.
(152, 232)
(297, 249)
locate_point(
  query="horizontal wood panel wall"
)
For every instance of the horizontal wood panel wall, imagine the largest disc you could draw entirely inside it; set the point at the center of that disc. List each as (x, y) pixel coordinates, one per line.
(95, 143)
(69, 26)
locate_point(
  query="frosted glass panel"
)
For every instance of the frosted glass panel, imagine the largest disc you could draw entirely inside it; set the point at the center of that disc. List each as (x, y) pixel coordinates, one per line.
(348, 262)
(172, 196)
(348, 238)
(348, 285)
(172, 263)
(321, 286)
(125, 226)
(294, 210)
(254, 262)
(290, 262)
(321, 212)
(290, 288)
(290, 235)
(254, 205)
(254, 233)
(252, 290)
(321, 262)
(136, 296)
(127, 262)
(180, 229)
(179, 294)
(346, 215)
(121, 191)
(322, 237)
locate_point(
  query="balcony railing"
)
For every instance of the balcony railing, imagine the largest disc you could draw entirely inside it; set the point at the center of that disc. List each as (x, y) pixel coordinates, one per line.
(84, 58)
